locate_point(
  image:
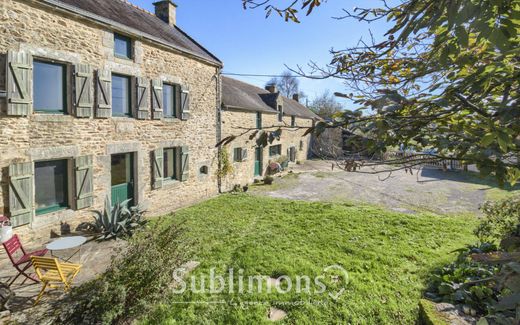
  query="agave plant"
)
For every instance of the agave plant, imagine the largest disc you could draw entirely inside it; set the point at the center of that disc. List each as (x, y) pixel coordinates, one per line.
(118, 220)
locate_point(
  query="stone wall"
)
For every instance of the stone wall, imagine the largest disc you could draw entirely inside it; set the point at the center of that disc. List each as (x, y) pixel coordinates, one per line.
(31, 27)
(235, 122)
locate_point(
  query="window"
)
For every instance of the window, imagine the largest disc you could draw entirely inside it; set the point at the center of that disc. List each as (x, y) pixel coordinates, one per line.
(280, 113)
(237, 155)
(301, 145)
(49, 87)
(275, 150)
(121, 96)
(170, 164)
(122, 46)
(170, 100)
(51, 188)
(204, 170)
(292, 154)
(293, 121)
(258, 120)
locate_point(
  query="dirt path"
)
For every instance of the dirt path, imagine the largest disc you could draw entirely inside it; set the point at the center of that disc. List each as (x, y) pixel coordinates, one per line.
(431, 190)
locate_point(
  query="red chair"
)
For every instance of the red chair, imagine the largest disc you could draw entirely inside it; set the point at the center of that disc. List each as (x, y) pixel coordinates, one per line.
(23, 262)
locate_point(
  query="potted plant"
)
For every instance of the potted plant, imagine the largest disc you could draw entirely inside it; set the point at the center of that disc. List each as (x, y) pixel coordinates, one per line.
(283, 161)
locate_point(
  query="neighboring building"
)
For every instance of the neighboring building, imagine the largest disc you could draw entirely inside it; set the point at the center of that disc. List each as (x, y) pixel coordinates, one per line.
(102, 98)
(246, 108)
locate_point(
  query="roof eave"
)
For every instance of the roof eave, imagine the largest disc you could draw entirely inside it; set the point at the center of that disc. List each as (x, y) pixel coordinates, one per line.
(123, 28)
(248, 110)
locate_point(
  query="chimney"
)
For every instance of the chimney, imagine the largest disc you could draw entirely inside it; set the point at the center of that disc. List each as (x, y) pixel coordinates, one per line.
(271, 88)
(166, 10)
(296, 97)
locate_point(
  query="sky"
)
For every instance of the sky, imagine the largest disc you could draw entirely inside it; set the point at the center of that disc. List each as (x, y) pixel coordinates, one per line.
(248, 43)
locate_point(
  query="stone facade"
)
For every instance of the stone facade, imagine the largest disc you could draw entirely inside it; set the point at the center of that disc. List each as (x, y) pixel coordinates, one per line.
(236, 122)
(36, 29)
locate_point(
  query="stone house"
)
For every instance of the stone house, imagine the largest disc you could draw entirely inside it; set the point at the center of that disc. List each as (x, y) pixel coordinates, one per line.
(101, 98)
(246, 109)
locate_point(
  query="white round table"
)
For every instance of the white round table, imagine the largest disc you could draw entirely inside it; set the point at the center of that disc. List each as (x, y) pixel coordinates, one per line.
(67, 243)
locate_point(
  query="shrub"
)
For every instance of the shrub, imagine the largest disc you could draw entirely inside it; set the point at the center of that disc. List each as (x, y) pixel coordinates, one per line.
(118, 220)
(501, 219)
(466, 282)
(281, 159)
(132, 283)
(225, 166)
(268, 180)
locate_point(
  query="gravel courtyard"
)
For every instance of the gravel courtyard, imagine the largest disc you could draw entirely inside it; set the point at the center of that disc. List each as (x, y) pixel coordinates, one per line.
(430, 190)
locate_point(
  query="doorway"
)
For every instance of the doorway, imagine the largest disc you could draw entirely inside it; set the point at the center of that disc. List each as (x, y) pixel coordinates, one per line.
(258, 161)
(122, 171)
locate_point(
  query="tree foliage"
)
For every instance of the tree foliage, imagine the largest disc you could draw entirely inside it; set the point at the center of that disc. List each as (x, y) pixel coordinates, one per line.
(446, 75)
(326, 106)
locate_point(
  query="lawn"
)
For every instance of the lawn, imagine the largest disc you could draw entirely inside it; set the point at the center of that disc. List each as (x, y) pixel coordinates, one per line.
(490, 186)
(387, 255)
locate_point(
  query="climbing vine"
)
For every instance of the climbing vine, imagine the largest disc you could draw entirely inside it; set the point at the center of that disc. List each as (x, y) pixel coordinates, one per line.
(225, 166)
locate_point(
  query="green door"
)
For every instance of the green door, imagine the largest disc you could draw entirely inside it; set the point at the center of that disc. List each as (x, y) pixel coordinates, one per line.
(258, 161)
(123, 178)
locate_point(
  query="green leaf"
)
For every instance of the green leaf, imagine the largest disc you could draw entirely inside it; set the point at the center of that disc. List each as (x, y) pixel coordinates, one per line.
(503, 141)
(487, 139)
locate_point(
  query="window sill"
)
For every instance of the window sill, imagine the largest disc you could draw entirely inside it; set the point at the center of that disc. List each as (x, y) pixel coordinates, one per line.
(123, 117)
(171, 120)
(123, 57)
(50, 210)
(170, 183)
(51, 117)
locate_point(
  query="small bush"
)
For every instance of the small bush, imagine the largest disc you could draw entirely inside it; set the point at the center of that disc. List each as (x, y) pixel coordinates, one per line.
(466, 282)
(133, 282)
(268, 180)
(119, 220)
(501, 219)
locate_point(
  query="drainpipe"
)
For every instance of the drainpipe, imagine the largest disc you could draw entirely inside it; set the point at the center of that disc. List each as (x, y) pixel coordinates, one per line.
(218, 92)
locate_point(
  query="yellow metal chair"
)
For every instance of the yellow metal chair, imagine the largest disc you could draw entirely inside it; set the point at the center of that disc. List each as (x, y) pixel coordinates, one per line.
(54, 274)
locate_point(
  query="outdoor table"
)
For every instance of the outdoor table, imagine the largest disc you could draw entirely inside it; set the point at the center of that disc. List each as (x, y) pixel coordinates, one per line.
(67, 243)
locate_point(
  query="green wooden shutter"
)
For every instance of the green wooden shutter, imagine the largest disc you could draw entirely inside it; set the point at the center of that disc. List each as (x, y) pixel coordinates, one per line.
(84, 96)
(158, 168)
(19, 71)
(142, 106)
(84, 182)
(157, 99)
(185, 103)
(104, 93)
(21, 182)
(185, 164)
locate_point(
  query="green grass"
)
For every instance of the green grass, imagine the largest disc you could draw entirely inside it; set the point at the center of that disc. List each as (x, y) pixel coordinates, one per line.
(490, 186)
(388, 257)
(279, 183)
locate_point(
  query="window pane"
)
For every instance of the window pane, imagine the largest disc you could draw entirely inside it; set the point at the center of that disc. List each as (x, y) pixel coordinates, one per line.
(237, 154)
(121, 169)
(122, 46)
(275, 150)
(169, 100)
(50, 181)
(49, 87)
(120, 95)
(169, 163)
